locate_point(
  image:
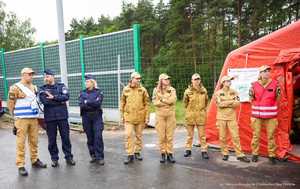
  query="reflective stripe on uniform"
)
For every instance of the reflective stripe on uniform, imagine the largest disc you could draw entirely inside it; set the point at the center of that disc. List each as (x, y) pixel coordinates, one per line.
(23, 108)
(264, 107)
(33, 114)
(264, 113)
(26, 107)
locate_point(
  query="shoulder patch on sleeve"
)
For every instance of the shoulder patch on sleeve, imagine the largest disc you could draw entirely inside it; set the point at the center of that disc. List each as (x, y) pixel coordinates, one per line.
(64, 90)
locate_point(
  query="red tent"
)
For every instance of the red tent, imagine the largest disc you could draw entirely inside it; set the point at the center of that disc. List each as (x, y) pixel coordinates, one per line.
(280, 50)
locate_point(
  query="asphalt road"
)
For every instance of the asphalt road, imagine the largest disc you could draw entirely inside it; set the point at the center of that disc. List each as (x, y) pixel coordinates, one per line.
(187, 173)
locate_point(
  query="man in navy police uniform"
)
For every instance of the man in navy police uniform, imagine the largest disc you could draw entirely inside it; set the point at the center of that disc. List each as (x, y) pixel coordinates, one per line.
(54, 97)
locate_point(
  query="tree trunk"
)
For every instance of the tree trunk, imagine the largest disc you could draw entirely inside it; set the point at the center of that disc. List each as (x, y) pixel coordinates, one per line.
(239, 10)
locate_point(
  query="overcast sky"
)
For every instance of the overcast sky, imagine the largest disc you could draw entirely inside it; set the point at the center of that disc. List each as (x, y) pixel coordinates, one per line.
(43, 13)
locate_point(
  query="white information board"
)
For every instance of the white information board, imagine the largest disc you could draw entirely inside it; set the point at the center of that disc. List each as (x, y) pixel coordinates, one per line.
(243, 79)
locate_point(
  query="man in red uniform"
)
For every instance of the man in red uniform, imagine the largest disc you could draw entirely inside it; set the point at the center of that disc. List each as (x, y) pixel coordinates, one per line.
(264, 95)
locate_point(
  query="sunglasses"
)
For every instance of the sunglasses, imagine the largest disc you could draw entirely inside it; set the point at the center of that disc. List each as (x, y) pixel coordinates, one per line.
(138, 78)
(267, 70)
(197, 79)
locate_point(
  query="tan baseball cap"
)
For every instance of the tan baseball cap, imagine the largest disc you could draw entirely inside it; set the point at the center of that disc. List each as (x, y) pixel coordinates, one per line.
(263, 68)
(27, 70)
(164, 76)
(135, 75)
(226, 78)
(196, 76)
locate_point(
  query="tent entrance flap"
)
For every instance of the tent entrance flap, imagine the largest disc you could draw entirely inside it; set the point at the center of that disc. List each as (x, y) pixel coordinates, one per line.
(295, 131)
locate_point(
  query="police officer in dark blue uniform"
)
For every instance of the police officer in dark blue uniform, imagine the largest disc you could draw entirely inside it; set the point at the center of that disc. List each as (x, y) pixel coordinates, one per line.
(90, 101)
(54, 97)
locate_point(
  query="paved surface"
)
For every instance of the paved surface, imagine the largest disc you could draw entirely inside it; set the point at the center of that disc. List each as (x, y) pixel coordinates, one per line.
(149, 174)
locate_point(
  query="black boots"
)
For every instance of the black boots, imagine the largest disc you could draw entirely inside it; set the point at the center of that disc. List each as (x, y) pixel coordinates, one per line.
(243, 159)
(187, 153)
(225, 157)
(138, 156)
(23, 172)
(272, 160)
(93, 159)
(255, 158)
(97, 161)
(163, 158)
(128, 159)
(170, 158)
(100, 162)
(54, 163)
(39, 164)
(204, 155)
(70, 162)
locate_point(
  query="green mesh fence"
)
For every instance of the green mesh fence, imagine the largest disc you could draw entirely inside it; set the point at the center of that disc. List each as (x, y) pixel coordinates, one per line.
(100, 58)
(181, 69)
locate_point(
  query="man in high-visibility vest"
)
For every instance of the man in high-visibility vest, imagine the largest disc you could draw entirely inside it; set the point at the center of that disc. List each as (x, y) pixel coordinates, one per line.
(22, 105)
(264, 95)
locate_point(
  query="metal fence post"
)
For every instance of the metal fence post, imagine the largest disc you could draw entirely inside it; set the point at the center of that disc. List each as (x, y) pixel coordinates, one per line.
(119, 85)
(42, 56)
(137, 47)
(4, 74)
(81, 46)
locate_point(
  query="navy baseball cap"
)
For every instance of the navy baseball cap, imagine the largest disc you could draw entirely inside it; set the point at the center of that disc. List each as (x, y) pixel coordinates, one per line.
(88, 77)
(49, 72)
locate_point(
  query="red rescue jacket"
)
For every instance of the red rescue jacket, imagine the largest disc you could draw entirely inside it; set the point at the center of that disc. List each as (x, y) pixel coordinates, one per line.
(264, 104)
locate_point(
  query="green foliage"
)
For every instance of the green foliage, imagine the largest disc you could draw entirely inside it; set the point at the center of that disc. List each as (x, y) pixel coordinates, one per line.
(197, 29)
(14, 33)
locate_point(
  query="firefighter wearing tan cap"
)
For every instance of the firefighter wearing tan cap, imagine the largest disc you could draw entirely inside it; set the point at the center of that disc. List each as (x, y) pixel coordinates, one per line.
(164, 99)
(195, 101)
(227, 100)
(22, 105)
(134, 114)
(264, 95)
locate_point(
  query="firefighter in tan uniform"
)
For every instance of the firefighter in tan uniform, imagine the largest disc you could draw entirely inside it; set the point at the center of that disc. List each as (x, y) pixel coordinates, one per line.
(195, 101)
(135, 114)
(227, 100)
(22, 106)
(164, 99)
(264, 95)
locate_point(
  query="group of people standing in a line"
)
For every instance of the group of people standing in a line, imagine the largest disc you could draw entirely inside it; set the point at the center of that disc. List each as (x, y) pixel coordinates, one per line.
(53, 97)
(264, 95)
(134, 111)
